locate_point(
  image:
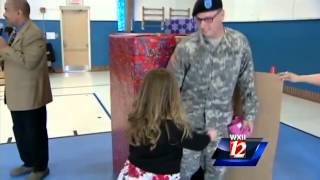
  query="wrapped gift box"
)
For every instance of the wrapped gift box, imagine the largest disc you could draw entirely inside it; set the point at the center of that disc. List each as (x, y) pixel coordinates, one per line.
(132, 55)
(180, 26)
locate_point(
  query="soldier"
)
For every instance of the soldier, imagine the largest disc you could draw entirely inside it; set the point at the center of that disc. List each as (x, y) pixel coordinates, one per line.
(208, 65)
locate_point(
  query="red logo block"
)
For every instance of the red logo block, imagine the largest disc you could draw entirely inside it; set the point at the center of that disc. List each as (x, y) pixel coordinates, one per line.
(238, 148)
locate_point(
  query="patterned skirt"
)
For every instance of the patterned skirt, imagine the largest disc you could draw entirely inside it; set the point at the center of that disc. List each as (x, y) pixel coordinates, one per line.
(132, 172)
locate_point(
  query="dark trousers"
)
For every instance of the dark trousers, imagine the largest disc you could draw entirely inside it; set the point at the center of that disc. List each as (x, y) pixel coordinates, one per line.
(199, 175)
(30, 132)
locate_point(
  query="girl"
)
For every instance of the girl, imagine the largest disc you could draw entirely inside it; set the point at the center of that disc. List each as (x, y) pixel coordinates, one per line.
(158, 131)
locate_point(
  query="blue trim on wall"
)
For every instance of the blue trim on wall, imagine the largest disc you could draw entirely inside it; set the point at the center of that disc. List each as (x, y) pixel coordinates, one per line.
(100, 31)
(53, 26)
(288, 45)
(150, 27)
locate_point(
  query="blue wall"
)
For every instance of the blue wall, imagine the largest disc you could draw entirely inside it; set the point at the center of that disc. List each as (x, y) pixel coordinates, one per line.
(100, 31)
(149, 27)
(288, 45)
(53, 26)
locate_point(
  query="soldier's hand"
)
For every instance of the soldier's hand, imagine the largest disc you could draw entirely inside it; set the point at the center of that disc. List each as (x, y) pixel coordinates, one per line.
(248, 124)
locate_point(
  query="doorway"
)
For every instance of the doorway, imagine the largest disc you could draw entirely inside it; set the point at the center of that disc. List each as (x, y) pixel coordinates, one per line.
(75, 32)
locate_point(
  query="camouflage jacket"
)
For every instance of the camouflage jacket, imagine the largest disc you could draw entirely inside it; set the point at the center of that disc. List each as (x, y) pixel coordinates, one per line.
(208, 76)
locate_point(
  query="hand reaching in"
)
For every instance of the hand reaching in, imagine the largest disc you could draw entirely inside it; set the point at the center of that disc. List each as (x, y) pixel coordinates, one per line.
(212, 133)
(289, 76)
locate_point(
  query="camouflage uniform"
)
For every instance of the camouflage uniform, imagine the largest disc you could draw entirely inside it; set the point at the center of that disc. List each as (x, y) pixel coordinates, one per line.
(207, 77)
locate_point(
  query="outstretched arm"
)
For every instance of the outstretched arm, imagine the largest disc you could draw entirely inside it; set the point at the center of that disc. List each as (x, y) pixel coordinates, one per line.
(292, 77)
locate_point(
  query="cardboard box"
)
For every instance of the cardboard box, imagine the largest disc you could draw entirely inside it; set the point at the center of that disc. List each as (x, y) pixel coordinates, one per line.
(266, 126)
(2, 81)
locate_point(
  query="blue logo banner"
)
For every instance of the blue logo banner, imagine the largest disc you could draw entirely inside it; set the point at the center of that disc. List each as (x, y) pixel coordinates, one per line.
(239, 152)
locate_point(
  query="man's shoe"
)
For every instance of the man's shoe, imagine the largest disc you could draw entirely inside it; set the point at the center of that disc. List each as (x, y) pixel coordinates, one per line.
(21, 170)
(39, 175)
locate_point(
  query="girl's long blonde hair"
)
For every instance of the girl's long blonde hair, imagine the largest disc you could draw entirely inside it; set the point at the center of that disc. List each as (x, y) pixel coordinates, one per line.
(158, 100)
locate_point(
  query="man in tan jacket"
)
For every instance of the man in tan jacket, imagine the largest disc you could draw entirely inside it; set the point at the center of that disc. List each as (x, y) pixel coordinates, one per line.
(27, 89)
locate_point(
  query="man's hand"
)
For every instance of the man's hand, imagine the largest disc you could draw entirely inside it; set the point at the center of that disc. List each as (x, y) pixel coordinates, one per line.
(248, 124)
(3, 43)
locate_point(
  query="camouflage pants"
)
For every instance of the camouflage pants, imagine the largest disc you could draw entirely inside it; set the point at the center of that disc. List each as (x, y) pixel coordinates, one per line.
(192, 160)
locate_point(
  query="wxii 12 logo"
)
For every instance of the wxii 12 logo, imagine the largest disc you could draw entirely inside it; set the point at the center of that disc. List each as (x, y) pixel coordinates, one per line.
(237, 150)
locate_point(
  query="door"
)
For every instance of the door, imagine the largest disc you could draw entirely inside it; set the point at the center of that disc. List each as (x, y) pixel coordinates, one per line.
(75, 30)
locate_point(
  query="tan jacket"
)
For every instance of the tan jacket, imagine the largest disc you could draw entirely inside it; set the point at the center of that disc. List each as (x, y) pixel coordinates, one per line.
(26, 71)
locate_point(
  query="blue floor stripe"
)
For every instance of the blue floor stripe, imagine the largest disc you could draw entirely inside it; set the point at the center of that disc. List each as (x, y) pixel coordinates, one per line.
(75, 158)
(305, 132)
(89, 157)
(97, 98)
(297, 155)
(104, 108)
(85, 86)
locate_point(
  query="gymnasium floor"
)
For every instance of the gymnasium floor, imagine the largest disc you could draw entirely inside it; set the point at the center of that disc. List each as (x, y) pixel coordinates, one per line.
(79, 126)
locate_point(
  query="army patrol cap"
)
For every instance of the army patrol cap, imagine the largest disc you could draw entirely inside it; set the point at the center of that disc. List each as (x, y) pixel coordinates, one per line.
(206, 5)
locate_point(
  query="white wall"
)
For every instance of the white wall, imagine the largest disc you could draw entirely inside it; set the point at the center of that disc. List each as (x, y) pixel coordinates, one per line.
(152, 4)
(104, 10)
(246, 10)
(240, 10)
(306, 9)
(236, 10)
